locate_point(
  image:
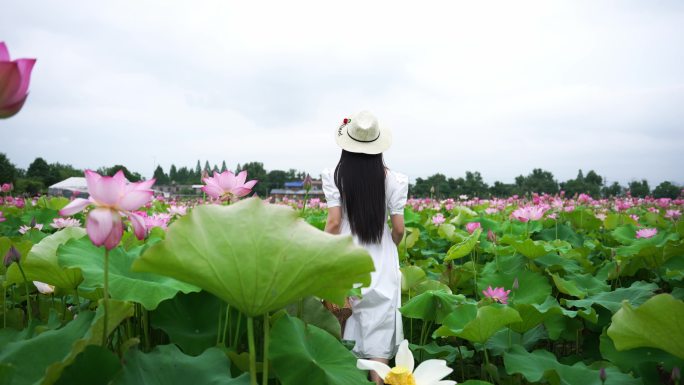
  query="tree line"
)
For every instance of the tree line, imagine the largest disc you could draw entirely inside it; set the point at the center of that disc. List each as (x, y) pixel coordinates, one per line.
(41, 174)
(538, 181)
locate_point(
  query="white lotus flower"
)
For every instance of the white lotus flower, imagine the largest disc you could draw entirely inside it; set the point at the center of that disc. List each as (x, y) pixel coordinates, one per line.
(429, 372)
(44, 288)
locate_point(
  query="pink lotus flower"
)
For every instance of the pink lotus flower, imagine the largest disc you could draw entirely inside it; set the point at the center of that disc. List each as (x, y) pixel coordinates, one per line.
(15, 77)
(491, 210)
(112, 197)
(674, 214)
(25, 229)
(472, 226)
(177, 210)
(528, 213)
(2, 218)
(646, 233)
(44, 288)
(226, 185)
(438, 219)
(497, 294)
(6, 187)
(61, 223)
(157, 220)
(635, 217)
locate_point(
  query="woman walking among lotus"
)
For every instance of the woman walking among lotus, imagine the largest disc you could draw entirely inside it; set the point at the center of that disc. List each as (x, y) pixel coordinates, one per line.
(361, 192)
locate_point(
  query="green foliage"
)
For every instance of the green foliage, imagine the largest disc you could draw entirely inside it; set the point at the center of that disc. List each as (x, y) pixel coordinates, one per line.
(639, 189)
(166, 365)
(268, 257)
(255, 170)
(305, 354)
(538, 181)
(189, 320)
(148, 289)
(667, 190)
(541, 365)
(8, 171)
(44, 357)
(656, 324)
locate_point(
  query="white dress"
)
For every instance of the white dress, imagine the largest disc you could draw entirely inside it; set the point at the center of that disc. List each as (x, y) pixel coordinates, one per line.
(375, 324)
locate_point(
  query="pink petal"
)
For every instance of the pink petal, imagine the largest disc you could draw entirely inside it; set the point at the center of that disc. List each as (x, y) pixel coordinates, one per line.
(241, 177)
(100, 224)
(10, 110)
(115, 235)
(135, 199)
(138, 223)
(4, 53)
(240, 191)
(74, 207)
(212, 191)
(10, 81)
(250, 184)
(227, 180)
(106, 191)
(25, 67)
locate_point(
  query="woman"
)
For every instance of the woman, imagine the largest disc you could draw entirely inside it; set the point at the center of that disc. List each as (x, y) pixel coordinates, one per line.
(361, 192)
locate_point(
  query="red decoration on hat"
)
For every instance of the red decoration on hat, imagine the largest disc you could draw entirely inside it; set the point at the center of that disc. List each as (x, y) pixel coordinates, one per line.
(345, 121)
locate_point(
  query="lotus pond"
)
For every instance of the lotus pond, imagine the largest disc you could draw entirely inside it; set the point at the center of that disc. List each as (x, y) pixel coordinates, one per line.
(506, 291)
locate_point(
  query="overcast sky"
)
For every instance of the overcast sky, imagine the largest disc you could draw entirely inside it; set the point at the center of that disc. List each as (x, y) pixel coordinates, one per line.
(496, 87)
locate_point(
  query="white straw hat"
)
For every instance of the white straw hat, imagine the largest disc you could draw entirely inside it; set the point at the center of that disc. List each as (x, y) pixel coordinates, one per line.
(362, 133)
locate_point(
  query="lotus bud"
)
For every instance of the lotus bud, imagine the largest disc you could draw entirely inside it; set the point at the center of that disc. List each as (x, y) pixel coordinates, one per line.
(602, 375)
(12, 255)
(491, 236)
(515, 284)
(307, 182)
(676, 374)
(33, 222)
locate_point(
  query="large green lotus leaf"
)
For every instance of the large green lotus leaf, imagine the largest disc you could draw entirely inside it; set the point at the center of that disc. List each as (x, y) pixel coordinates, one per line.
(257, 257)
(542, 365)
(505, 339)
(625, 234)
(41, 263)
(148, 289)
(584, 219)
(533, 287)
(656, 324)
(410, 277)
(644, 360)
(93, 366)
(454, 323)
(564, 232)
(448, 232)
(41, 359)
(489, 320)
(579, 285)
(432, 305)
(166, 365)
(554, 262)
(477, 324)
(305, 354)
(431, 284)
(462, 249)
(636, 294)
(448, 353)
(314, 313)
(532, 249)
(190, 320)
(534, 314)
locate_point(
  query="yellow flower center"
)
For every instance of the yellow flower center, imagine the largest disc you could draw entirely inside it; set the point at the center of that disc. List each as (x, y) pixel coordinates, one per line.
(400, 375)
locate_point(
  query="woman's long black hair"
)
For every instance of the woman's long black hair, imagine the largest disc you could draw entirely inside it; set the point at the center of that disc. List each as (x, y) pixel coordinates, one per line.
(361, 181)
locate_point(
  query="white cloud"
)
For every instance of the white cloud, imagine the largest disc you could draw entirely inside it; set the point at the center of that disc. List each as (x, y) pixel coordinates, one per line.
(496, 87)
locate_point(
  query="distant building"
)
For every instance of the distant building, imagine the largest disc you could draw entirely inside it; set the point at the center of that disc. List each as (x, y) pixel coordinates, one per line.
(296, 190)
(74, 186)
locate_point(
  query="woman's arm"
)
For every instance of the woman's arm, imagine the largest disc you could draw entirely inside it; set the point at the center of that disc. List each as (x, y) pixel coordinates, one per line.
(397, 228)
(332, 225)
